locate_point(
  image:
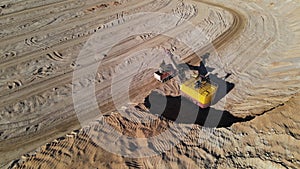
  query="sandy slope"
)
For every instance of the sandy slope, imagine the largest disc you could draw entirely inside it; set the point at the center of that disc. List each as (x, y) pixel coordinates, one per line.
(257, 43)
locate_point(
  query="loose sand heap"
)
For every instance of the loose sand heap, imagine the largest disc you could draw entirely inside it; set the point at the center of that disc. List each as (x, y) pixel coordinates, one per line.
(256, 43)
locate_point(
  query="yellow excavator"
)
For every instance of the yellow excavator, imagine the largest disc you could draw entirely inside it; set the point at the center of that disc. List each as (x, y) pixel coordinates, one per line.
(199, 89)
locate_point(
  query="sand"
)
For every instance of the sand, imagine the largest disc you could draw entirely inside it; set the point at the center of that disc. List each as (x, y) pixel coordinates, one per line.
(254, 41)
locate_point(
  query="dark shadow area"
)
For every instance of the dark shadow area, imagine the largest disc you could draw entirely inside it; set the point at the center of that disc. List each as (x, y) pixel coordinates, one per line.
(181, 110)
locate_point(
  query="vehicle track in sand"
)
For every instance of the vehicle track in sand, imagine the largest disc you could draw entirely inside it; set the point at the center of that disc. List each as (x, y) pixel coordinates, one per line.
(239, 22)
(63, 29)
(70, 121)
(227, 35)
(269, 140)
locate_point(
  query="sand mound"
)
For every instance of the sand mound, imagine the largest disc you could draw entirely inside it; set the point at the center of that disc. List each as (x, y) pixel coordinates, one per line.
(255, 41)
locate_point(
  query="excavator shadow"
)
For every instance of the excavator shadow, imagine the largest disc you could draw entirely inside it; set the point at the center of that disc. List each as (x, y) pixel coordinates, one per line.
(181, 110)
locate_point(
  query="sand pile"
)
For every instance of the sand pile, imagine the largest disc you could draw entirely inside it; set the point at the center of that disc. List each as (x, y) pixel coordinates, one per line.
(254, 41)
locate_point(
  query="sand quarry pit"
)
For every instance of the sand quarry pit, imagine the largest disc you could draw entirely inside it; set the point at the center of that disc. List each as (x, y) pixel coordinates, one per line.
(54, 50)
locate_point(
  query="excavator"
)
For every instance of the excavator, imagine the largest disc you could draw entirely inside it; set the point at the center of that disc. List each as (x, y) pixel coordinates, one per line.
(198, 89)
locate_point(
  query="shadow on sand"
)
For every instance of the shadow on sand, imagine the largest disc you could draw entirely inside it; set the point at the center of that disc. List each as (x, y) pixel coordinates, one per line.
(181, 110)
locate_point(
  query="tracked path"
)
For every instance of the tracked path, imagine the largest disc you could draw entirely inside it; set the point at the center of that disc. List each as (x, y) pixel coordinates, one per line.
(46, 93)
(258, 47)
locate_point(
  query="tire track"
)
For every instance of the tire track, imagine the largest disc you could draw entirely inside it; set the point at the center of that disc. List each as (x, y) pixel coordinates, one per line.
(31, 21)
(42, 6)
(87, 19)
(63, 13)
(41, 86)
(72, 121)
(65, 77)
(66, 45)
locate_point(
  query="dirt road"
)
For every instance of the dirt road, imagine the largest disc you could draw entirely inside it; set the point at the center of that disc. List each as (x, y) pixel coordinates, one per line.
(40, 45)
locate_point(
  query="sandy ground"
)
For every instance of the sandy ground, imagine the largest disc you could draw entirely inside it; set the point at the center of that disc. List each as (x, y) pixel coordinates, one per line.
(257, 42)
